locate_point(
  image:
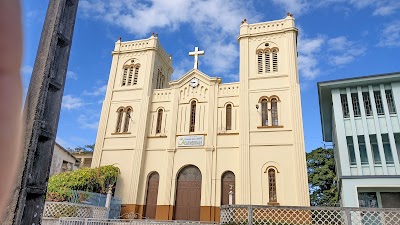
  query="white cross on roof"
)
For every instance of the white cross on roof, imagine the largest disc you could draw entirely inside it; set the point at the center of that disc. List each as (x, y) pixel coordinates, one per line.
(196, 54)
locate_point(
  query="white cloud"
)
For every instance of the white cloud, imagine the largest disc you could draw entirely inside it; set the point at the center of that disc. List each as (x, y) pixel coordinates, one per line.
(72, 75)
(342, 51)
(309, 49)
(390, 37)
(89, 121)
(99, 91)
(70, 102)
(214, 22)
(379, 7)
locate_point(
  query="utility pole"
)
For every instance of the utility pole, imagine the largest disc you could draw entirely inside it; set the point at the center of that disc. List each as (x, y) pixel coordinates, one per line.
(42, 112)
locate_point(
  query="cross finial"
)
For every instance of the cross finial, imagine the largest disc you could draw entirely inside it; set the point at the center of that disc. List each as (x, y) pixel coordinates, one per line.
(196, 54)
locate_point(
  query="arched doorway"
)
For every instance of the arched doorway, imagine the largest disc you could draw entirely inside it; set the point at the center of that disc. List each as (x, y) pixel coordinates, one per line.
(151, 196)
(188, 194)
(227, 182)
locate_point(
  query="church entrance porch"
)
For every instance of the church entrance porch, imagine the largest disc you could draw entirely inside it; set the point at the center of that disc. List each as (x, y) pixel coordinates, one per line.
(188, 194)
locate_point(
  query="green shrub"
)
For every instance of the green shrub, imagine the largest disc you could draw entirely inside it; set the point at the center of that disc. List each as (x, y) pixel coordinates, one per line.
(86, 179)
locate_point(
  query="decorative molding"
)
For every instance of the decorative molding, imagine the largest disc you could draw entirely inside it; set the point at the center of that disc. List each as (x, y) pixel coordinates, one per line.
(230, 133)
(269, 126)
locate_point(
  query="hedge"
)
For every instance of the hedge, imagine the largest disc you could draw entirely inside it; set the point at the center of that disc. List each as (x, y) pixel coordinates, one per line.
(86, 179)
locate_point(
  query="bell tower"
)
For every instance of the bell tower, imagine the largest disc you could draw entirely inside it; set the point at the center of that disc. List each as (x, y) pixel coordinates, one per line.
(270, 102)
(138, 67)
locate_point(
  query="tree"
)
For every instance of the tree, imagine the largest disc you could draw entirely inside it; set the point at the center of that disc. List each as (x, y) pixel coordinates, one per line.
(322, 178)
(87, 148)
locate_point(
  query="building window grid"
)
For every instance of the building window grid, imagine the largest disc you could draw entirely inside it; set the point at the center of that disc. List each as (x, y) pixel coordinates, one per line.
(356, 105)
(264, 112)
(387, 149)
(259, 62)
(390, 102)
(375, 152)
(367, 104)
(378, 102)
(229, 117)
(350, 147)
(159, 121)
(272, 185)
(192, 116)
(345, 106)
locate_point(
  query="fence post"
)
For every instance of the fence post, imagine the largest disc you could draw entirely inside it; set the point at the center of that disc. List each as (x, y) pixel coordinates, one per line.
(108, 201)
(347, 212)
(250, 215)
(86, 221)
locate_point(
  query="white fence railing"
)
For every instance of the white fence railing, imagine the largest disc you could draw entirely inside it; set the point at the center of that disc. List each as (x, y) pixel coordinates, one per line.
(267, 215)
(66, 209)
(80, 221)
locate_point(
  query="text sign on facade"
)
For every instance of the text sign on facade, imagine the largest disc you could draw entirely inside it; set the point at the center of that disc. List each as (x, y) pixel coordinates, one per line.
(187, 141)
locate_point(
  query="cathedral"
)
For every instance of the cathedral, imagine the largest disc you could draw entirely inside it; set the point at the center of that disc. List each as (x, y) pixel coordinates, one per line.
(184, 146)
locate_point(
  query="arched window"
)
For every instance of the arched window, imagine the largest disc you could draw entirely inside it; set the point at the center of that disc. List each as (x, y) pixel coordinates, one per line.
(274, 111)
(160, 80)
(135, 78)
(124, 76)
(229, 117)
(267, 61)
(192, 116)
(275, 60)
(130, 74)
(272, 185)
(159, 121)
(260, 61)
(119, 120)
(227, 185)
(264, 112)
(127, 119)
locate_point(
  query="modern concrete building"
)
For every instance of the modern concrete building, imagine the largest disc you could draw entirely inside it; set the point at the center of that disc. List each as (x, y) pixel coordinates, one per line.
(182, 145)
(360, 116)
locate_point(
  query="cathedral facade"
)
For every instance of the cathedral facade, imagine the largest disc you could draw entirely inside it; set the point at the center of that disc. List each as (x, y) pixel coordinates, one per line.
(182, 146)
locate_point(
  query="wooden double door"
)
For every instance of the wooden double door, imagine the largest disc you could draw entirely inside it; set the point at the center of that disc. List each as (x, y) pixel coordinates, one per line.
(151, 197)
(188, 194)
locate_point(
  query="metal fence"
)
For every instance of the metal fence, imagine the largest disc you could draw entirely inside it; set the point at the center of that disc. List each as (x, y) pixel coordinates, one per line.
(80, 221)
(97, 199)
(267, 215)
(66, 209)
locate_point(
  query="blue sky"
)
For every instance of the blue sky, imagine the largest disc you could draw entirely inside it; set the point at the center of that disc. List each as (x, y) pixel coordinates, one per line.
(337, 39)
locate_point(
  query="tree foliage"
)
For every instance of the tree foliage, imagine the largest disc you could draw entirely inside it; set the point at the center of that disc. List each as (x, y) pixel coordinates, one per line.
(86, 179)
(322, 178)
(86, 148)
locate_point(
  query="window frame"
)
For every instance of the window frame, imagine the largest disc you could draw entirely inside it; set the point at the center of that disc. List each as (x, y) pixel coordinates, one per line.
(272, 183)
(192, 125)
(228, 117)
(128, 113)
(160, 113)
(118, 127)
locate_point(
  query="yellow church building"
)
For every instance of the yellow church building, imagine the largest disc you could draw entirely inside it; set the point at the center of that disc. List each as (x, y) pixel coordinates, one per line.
(183, 145)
